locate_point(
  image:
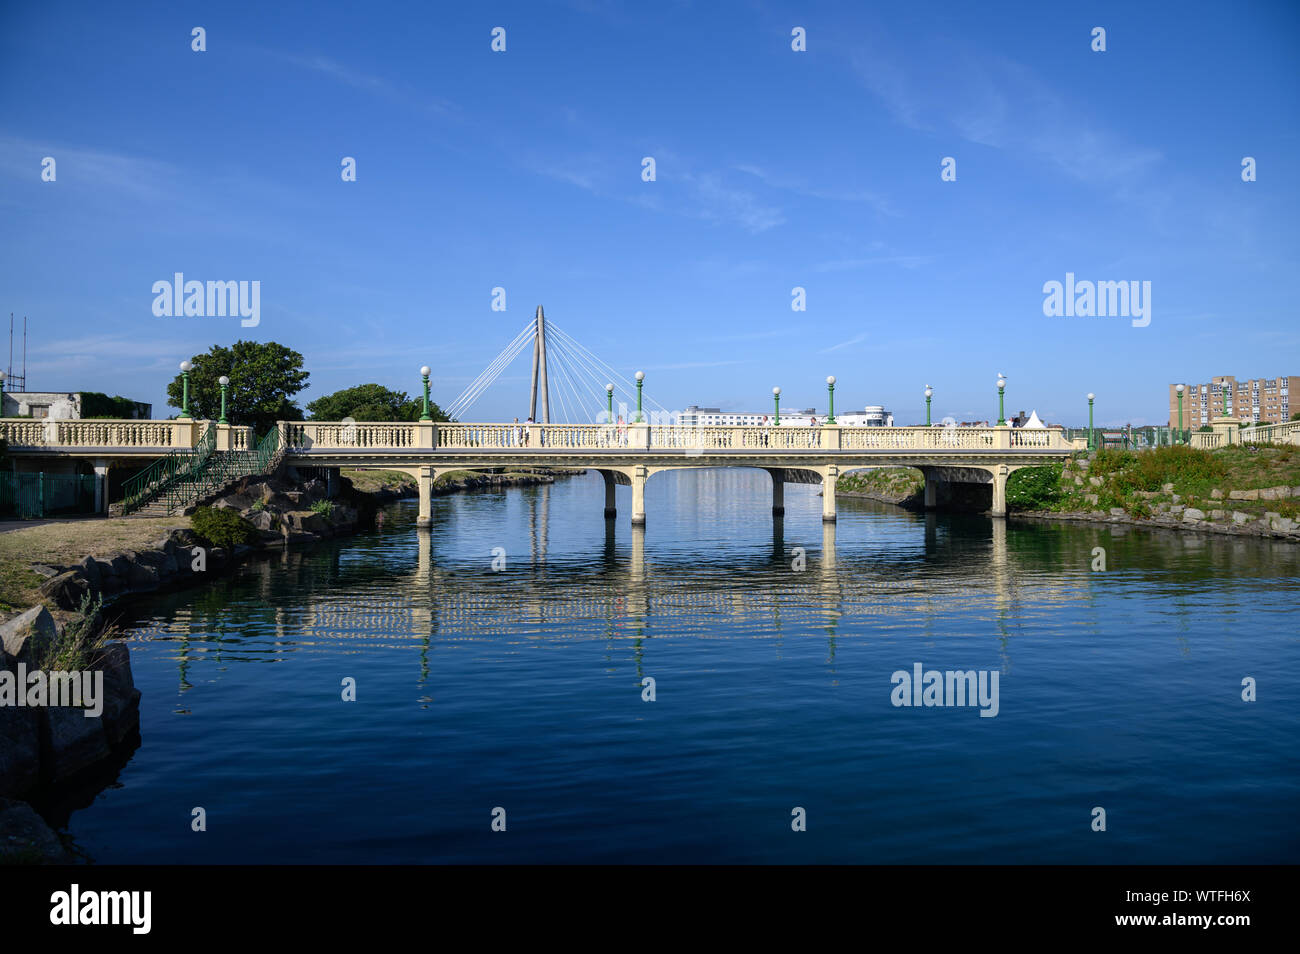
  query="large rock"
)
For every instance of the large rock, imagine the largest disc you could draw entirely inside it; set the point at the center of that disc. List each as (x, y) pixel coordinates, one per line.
(1240, 517)
(89, 568)
(27, 636)
(307, 521)
(263, 520)
(20, 750)
(70, 741)
(1191, 514)
(66, 590)
(26, 839)
(121, 713)
(141, 576)
(1243, 495)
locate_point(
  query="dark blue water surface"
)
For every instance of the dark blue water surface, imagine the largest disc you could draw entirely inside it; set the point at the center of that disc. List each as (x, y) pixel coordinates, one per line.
(523, 690)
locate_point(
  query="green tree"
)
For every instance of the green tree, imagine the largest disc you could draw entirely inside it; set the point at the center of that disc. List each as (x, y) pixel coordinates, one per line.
(371, 402)
(264, 377)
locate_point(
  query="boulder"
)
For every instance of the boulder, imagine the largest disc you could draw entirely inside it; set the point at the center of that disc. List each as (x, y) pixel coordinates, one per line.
(1216, 493)
(141, 576)
(121, 698)
(1177, 509)
(106, 570)
(66, 590)
(20, 750)
(26, 839)
(234, 502)
(46, 571)
(70, 741)
(263, 520)
(1244, 495)
(28, 635)
(1091, 498)
(1283, 524)
(1095, 481)
(307, 521)
(1192, 514)
(120, 563)
(1167, 488)
(1268, 493)
(1217, 514)
(1238, 517)
(89, 568)
(1117, 512)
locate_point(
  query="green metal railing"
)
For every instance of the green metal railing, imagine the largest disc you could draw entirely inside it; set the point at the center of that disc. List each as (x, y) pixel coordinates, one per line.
(180, 479)
(32, 496)
(166, 477)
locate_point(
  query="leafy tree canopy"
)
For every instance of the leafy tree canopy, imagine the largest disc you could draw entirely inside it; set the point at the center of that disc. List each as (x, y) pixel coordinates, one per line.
(371, 402)
(264, 377)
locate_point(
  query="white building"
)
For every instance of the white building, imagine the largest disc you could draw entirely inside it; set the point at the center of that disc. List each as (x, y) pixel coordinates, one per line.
(873, 415)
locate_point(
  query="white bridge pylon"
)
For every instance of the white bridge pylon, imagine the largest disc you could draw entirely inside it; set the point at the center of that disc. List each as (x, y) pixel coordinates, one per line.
(579, 377)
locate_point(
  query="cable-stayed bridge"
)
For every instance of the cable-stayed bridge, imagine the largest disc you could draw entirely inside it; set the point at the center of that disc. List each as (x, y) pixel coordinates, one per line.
(587, 425)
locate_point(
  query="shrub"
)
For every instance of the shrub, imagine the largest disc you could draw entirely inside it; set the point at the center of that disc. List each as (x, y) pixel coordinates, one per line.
(323, 506)
(81, 636)
(1034, 488)
(222, 528)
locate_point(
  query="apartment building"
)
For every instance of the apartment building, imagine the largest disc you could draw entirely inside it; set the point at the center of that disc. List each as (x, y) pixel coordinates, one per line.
(1265, 400)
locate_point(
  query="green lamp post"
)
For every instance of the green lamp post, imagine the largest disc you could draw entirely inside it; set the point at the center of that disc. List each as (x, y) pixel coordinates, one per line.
(830, 395)
(640, 379)
(1180, 390)
(424, 376)
(609, 394)
(1002, 387)
(929, 393)
(776, 400)
(1223, 389)
(1091, 398)
(185, 389)
(225, 384)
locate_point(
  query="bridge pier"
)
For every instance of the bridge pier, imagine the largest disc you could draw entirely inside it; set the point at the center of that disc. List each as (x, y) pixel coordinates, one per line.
(425, 479)
(639, 475)
(829, 479)
(1000, 474)
(611, 509)
(778, 491)
(931, 491)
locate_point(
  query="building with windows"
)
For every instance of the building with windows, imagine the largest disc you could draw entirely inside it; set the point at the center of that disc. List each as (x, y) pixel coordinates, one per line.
(65, 405)
(871, 416)
(1264, 400)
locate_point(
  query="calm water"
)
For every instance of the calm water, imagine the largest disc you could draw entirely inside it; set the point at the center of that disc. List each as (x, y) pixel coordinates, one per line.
(522, 689)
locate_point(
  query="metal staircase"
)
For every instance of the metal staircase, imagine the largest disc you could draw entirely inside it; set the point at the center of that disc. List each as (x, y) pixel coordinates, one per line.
(174, 483)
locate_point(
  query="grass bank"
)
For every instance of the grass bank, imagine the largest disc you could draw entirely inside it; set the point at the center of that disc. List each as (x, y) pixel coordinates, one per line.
(64, 542)
(1236, 485)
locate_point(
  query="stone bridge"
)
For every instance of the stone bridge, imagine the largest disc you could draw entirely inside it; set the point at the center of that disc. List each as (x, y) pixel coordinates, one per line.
(623, 454)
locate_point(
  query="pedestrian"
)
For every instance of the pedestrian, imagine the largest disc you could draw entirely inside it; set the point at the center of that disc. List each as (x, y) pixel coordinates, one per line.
(622, 431)
(528, 431)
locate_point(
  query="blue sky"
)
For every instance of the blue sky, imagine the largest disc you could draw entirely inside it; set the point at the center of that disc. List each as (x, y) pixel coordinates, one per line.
(775, 169)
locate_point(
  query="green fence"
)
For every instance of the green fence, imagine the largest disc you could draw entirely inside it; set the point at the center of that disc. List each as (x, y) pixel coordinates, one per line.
(32, 496)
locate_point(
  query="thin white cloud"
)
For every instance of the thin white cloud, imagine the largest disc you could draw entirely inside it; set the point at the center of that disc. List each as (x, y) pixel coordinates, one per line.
(856, 339)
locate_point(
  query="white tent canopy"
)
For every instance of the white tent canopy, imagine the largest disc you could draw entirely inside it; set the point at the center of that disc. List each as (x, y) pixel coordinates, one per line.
(1033, 420)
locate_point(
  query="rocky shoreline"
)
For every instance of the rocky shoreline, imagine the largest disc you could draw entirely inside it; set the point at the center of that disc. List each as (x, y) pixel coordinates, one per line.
(43, 745)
